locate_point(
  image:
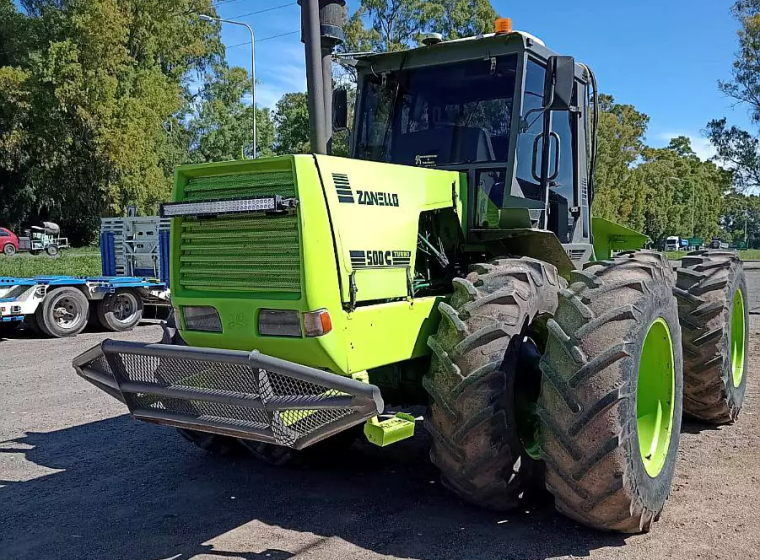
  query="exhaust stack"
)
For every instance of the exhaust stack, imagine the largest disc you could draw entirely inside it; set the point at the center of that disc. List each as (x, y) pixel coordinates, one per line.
(321, 31)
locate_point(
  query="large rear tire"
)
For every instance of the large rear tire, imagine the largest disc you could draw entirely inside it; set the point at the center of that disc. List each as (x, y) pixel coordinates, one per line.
(472, 379)
(611, 397)
(714, 312)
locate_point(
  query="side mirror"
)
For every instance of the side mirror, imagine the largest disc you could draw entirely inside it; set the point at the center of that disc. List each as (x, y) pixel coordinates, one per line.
(340, 109)
(560, 84)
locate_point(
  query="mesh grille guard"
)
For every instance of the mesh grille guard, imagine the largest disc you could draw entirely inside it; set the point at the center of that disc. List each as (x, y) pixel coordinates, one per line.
(229, 392)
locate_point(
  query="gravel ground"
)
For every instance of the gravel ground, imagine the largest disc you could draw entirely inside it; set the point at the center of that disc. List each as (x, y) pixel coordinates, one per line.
(81, 479)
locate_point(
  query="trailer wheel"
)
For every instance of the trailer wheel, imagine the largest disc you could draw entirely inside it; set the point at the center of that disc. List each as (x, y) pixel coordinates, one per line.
(9, 250)
(478, 442)
(52, 250)
(63, 312)
(611, 396)
(120, 311)
(714, 310)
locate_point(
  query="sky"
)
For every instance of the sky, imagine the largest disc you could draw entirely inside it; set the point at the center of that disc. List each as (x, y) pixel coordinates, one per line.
(665, 57)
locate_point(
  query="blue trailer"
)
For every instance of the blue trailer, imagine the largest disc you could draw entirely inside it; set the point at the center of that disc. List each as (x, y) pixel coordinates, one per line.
(61, 306)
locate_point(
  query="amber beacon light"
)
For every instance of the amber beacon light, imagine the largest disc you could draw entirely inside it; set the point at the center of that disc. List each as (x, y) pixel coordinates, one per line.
(503, 25)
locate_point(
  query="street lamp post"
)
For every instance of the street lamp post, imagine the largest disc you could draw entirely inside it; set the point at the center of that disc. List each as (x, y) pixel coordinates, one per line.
(205, 17)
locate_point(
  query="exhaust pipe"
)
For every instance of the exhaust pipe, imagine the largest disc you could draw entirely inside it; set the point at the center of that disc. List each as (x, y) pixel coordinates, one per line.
(321, 31)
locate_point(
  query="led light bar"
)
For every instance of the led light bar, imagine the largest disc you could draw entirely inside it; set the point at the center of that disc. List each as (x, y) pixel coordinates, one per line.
(235, 206)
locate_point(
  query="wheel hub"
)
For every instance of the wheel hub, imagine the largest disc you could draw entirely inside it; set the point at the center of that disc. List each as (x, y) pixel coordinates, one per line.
(65, 313)
(737, 338)
(655, 397)
(123, 308)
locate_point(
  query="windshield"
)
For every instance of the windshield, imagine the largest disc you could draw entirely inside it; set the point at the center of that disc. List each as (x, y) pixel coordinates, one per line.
(438, 116)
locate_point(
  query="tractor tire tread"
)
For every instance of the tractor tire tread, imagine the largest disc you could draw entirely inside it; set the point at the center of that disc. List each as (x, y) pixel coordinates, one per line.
(475, 443)
(587, 393)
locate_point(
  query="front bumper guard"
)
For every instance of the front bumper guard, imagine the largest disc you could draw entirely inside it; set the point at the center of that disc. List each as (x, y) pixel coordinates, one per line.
(229, 392)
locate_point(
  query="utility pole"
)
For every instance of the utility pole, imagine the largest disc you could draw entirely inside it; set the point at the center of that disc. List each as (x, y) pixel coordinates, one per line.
(321, 31)
(204, 17)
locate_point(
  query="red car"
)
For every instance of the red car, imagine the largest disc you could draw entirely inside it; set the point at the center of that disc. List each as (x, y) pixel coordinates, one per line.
(8, 242)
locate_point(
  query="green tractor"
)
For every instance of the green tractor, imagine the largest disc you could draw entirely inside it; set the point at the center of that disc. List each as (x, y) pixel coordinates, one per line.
(452, 261)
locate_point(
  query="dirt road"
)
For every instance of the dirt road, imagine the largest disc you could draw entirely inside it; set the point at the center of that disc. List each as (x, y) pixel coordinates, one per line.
(80, 479)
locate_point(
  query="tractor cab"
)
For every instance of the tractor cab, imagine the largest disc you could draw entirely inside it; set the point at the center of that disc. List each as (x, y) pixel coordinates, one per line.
(502, 109)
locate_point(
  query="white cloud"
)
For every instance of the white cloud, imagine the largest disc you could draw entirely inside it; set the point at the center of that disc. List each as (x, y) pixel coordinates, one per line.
(283, 72)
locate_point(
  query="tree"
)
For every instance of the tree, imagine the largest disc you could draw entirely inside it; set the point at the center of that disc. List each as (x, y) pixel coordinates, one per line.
(735, 147)
(292, 124)
(100, 88)
(397, 24)
(621, 145)
(222, 125)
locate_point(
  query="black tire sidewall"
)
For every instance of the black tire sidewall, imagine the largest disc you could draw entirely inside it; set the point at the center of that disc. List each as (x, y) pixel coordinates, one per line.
(106, 315)
(655, 491)
(48, 324)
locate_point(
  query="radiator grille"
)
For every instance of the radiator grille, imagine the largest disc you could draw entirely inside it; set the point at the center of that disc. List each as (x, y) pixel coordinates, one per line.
(241, 253)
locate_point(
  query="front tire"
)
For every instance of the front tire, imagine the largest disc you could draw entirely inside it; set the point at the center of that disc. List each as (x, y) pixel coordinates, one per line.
(472, 418)
(714, 311)
(611, 397)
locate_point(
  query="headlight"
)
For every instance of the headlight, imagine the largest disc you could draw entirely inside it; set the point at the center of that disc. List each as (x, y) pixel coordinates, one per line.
(202, 319)
(279, 323)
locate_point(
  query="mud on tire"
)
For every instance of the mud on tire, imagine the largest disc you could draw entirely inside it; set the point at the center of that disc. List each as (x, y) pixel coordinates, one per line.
(709, 283)
(471, 382)
(588, 403)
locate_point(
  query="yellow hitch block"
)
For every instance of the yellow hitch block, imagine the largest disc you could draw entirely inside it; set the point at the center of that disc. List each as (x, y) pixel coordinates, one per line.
(386, 432)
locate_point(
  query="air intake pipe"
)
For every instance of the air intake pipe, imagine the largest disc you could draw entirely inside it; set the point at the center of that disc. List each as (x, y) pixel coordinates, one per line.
(321, 31)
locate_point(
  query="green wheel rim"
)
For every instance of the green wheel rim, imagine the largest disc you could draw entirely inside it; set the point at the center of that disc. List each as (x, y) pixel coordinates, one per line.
(737, 338)
(655, 397)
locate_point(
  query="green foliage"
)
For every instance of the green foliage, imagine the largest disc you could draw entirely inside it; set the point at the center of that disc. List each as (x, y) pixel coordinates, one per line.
(397, 24)
(91, 89)
(72, 262)
(738, 148)
(292, 124)
(661, 192)
(222, 126)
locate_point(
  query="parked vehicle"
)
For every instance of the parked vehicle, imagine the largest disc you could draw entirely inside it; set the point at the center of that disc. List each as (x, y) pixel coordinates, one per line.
(35, 240)
(452, 261)
(9, 244)
(673, 243)
(61, 306)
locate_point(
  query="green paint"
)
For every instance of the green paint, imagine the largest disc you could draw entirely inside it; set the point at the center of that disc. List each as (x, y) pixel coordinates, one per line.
(738, 337)
(609, 237)
(302, 261)
(655, 397)
(389, 431)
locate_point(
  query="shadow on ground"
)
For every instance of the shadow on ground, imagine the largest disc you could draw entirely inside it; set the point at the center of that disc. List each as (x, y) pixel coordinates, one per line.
(129, 490)
(22, 332)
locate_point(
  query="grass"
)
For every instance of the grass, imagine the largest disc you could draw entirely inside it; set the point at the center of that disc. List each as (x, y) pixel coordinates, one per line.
(86, 262)
(71, 262)
(745, 255)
